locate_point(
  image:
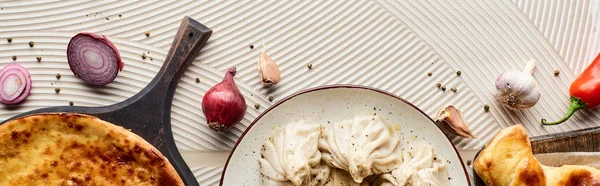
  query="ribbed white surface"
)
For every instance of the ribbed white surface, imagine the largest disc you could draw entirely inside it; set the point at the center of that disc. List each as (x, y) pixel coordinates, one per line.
(486, 38)
(390, 45)
(569, 26)
(207, 175)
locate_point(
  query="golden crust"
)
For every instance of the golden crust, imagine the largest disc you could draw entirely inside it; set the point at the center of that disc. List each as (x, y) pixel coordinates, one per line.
(508, 160)
(76, 149)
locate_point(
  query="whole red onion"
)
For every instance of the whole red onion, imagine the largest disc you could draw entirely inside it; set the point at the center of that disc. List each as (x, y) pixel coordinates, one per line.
(223, 105)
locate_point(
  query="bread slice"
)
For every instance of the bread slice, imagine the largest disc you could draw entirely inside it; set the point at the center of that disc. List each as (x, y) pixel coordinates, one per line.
(508, 160)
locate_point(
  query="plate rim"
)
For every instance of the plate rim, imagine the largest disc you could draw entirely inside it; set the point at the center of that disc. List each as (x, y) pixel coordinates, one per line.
(325, 87)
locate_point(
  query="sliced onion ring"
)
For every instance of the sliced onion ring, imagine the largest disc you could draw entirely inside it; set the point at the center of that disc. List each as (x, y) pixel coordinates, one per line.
(93, 58)
(15, 84)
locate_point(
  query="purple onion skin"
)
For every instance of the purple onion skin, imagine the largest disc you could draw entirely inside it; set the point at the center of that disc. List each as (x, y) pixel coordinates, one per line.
(224, 105)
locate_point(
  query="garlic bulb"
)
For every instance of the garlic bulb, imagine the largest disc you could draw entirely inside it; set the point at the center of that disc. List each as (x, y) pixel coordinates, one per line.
(268, 69)
(518, 90)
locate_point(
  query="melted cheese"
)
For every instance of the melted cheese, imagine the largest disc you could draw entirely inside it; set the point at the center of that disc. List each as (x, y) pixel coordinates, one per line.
(70, 149)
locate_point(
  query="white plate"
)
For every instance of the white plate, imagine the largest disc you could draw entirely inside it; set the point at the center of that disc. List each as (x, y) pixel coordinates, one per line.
(335, 103)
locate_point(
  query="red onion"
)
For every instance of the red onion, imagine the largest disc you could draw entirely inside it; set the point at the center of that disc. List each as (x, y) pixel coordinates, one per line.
(223, 105)
(15, 84)
(93, 58)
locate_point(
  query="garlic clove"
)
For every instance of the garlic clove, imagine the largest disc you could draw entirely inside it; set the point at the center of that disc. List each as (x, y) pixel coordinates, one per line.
(268, 69)
(451, 121)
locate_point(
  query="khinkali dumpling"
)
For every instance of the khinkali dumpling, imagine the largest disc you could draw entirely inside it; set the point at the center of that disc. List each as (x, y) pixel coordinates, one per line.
(320, 176)
(291, 156)
(420, 167)
(363, 146)
(338, 177)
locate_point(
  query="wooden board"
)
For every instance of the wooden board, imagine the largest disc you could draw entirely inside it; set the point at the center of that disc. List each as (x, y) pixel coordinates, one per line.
(148, 113)
(585, 140)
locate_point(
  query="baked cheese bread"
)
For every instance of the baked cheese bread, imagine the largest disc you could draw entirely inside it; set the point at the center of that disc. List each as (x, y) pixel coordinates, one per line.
(508, 160)
(75, 149)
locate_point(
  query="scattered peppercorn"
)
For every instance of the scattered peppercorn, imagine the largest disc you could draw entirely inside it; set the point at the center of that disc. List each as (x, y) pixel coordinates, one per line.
(429, 73)
(197, 80)
(39, 58)
(58, 76)
(486, 108)
(256, 106)
(31, 43)
(120, 16)
(469, 162)
(251, 46)
(309, 66)
(443, 88)
(151, 59)
(14, 58)
(270, 98)
(143, 55)
(458, 73)
(439, 85)
(107, 18)
(9, 39)
(70, 103)
(57, 90)
(147, 34)
(556, 72)
(453, 89)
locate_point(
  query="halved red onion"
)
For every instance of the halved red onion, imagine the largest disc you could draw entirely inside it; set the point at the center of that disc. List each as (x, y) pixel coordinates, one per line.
(93, 58)
(15, 84)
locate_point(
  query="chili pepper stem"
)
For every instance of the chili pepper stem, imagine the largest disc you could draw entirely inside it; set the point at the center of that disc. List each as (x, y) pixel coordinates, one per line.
(529, 67)
(576, 104)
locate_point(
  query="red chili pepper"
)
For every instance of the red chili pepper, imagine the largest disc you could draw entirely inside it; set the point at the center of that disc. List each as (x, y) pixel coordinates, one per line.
(585, 91)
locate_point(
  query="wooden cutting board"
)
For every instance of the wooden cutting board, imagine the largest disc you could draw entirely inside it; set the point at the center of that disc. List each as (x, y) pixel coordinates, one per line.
(584, 140)
(148, 113)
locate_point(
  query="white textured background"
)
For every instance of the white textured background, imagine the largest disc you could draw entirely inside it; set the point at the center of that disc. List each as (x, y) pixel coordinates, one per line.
(386, 44)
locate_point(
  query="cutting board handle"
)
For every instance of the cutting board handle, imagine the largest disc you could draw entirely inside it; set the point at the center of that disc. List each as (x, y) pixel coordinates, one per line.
(189, 40)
